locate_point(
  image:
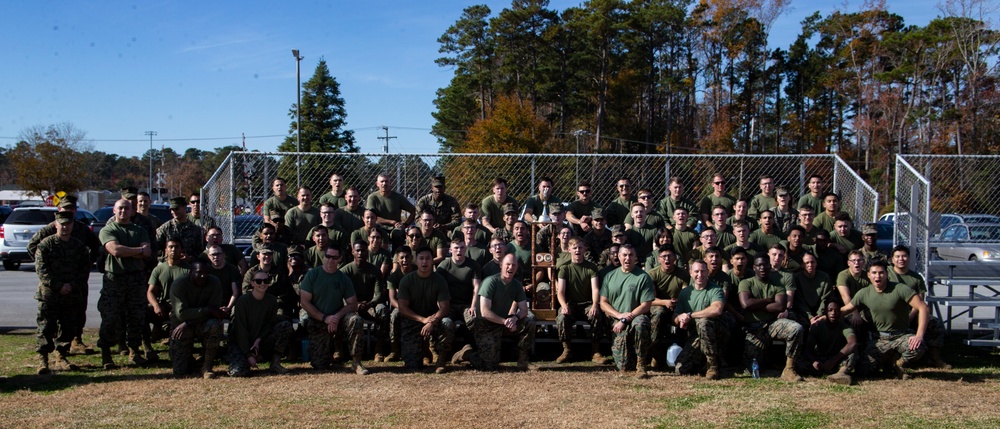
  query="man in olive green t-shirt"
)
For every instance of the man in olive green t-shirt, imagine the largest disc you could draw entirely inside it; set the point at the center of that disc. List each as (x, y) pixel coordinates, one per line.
(626, 296)
(196, 311)
(327, 297)
(424, 302)
(900, 272)
(503, 310)
(577, 289)
(830, 345)
(765, 309)
(699, 308)
(668, 280)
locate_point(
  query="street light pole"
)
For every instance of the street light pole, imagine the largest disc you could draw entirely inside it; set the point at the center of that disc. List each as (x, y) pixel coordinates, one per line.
(298, 117)
(150, 134)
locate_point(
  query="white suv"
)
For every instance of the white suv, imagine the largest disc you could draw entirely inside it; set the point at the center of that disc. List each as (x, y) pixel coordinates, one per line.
(21, 225)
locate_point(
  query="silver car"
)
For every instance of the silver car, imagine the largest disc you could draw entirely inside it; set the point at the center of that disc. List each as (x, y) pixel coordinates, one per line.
(21, 225)
(969, 242)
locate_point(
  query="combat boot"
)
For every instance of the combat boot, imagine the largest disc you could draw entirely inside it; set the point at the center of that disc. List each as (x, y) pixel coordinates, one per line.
(565, 356)
(523, 363)
(935, 359)
(640, 370)
(206, 368)
(78, 347)
(899, 367)
(655, 363)
(789, 374)
(841, 377)
(106, 361)
(597, 357)
(43, 364)
(712, 373)
(276, 366)
(358, 368)
(394, 354)
(63, 364)
(340, 351)
(135, 357)
(439, 363)
(380, 350)
(462, 355)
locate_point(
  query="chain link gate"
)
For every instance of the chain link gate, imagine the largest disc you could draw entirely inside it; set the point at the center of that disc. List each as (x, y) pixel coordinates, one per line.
(912, 214)
(242, 182)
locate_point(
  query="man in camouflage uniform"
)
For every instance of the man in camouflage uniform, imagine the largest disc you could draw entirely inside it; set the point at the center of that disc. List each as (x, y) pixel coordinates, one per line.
(369, 287)
(123, 291)
(180, 226)
(503, 310)
(506, 231)
(598, 239)
(890, 304)
(424, 301)
(63, 267)
(327, 297)
(900, 272)
(699, 311)
(578, 291)
(869, 234)
(203, 221)
(196, 312)
(444, 207)
(158, 294)
(668, 280)
(626, 296)
(255, 331)
(764, 303)
(80, 231)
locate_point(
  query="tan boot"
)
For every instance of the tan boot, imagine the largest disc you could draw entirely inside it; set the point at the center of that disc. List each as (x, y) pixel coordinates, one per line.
(841, 377)
(597, 357)
(77, 347)
(640, 370)
(393, 355)
(935, 359)
(135, 357)
(789, 374)
(206, 369)
(106, 361)
(712, 373)
(565, 356)
(439, 363)
(523, 363)
(379, 350)
(462, 355)
(43, 364)
(899, 367)
(358, 368)
(63, 364)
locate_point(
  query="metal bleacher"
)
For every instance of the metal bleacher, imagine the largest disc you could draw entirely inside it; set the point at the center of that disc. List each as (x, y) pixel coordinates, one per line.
(983, 294)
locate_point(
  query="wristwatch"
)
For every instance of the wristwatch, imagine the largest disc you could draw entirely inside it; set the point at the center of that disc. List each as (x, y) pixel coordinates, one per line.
(624, 320)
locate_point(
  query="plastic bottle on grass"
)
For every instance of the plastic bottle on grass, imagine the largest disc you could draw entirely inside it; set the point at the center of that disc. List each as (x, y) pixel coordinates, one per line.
(755, 368)
(672, 352)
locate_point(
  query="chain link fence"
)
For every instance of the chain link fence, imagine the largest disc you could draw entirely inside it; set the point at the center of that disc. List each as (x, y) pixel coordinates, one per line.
(967, 184)
(912, 214)
(242, 182)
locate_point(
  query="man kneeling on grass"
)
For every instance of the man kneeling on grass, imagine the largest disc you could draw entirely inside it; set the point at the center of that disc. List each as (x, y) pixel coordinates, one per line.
(699, 307)
(424, 303)
(254, 332)
(327, 296)
(196, 311)
(830, 346)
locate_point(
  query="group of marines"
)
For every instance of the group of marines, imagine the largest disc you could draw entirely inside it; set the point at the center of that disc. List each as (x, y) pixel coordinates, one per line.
(723, 278)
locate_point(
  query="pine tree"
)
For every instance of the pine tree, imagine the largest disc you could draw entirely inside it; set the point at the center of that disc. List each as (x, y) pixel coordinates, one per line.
(323, 116)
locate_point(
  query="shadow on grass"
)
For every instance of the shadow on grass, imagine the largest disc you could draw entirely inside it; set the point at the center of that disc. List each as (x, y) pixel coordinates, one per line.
(64, 380)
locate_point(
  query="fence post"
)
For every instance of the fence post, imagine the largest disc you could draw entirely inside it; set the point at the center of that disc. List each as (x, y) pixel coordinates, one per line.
(666, 176)
(532, 184)
(741, 178)
(802, 178)
(232, 198)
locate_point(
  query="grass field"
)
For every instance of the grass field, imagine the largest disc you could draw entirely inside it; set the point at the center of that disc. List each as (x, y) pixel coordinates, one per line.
(578, 395)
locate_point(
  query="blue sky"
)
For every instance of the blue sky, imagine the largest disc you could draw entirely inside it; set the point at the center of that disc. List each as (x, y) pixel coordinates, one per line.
(214, 70)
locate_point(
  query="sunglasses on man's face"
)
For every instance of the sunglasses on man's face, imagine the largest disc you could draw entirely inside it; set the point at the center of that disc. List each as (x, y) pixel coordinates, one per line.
(260, 281)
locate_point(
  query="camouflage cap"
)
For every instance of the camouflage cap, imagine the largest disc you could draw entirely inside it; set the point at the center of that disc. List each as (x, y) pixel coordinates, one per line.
(68, 201)
(555, 208)
(265, 251)
(178, 202)
(437, 181)
(597, 214)
(780, 191)
(295, 250)
(509, 208)
(869, 229)
(129, 192)
(617, 230)
(64, 217)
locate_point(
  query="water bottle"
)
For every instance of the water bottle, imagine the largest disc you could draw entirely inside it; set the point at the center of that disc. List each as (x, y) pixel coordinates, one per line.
(672, 352)
(755, 368)
(305, 350)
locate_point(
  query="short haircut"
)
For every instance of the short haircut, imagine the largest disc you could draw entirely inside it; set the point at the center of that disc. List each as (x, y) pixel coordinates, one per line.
(741, 224)
(423, 249)
(798, 228)
(277, 179)
(583, 183)
(831, 194)
(766, 176)
(696, 262)
(713, 249)
(577, 241)
(805, 207)
(145, 194)
(499, 181)
(900, 248)
(675, 179)
(816, 176)
(842, 217)
(304, 188)
(879, 263)
(209, 230)
(636, 204)
(403, 249)
(547, 179)
(738, 250)
(472, 206)
(719, 206)
(777, 246)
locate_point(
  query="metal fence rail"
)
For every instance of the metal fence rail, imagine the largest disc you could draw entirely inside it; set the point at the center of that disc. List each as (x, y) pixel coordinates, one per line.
(242, 182)
(912, 214)
(961, 184)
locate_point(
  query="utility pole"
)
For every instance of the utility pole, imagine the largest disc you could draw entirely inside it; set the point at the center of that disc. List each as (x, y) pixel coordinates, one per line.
(150, 134)
(159, 178)
(386, 138)
(298, 118)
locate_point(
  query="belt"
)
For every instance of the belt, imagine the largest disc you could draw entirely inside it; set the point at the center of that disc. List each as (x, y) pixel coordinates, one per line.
(885, 334)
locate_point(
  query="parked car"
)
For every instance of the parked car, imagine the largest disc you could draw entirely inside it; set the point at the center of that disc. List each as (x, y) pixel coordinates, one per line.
(968, 242)
(244, 227)
(21, 225)
(884, 239)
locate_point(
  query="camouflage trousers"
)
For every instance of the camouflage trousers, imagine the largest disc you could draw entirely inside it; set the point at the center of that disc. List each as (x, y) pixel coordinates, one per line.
(160, 326)
(660, 320)
(210, 334)
(395, 328)
(706, 337)
(411, 343)
(123, 297)
(760, 334)
(321, 342)
(578, 311)
(274, 341)
(633, 342)
(488, 336)
(933, 334)
(379, 315)
(59, 318)
(886, 349)
(804, 366)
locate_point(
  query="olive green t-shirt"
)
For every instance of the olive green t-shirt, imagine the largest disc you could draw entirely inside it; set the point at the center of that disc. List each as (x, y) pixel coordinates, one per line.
(250, 317)
(625, 291)
(274, 203)
(814, 202)
(338, 201)
(490, 209)
(163, 276)
(329, 290)
(642, 239)
(422, 293)
(578, 281)
(760, 203)
(827, 339)
(890, 308)
(190, 302)
(389, 206)
(227, 275)
(812, 292)
(854, 284)
(684, 242)
(367, 281)
(301, 222)
(911, 278)
(764, 240)
(130, 235)
(668, 286)
(691, 299)
(502, 296)
(460, 279)
(760, 290)
(349, 220)
(710, 200)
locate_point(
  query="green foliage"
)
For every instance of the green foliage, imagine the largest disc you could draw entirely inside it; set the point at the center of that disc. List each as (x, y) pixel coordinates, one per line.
(324, 117)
